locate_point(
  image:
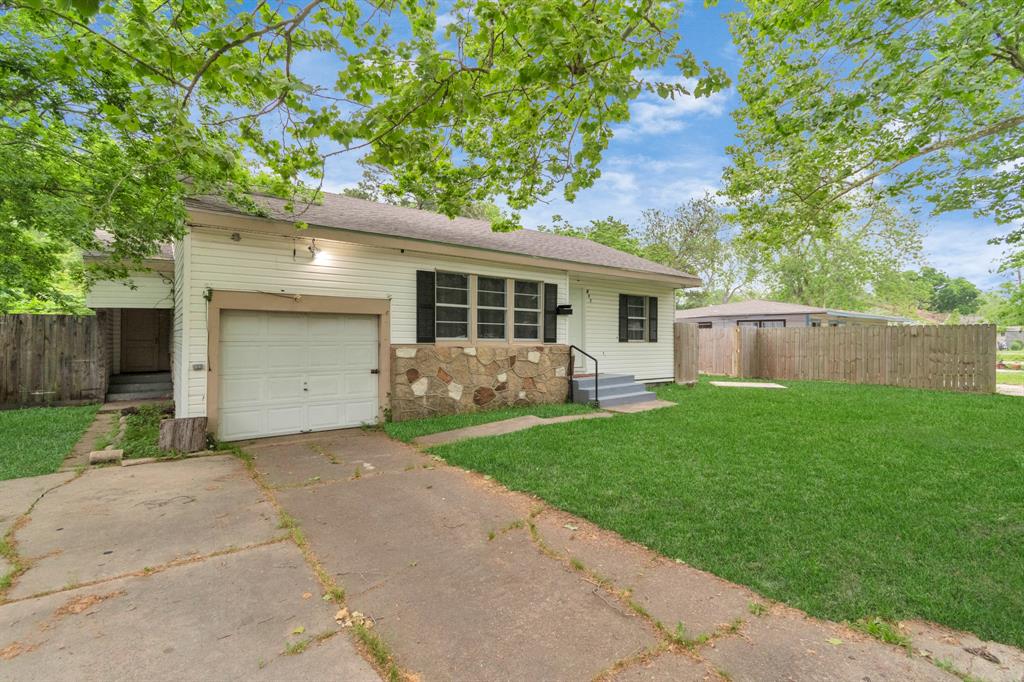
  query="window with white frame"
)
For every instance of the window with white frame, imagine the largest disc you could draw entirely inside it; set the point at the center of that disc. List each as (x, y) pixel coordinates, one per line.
(526, 313)
(491, 308)
(451, 300)
(636, 318)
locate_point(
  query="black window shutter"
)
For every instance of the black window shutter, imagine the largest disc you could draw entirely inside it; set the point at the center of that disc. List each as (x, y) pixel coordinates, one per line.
(424, 306)
(623, 305)
(652, 318)
(550, 313)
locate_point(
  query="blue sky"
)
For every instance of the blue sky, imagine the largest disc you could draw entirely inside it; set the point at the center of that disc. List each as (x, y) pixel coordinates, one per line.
(672, 151)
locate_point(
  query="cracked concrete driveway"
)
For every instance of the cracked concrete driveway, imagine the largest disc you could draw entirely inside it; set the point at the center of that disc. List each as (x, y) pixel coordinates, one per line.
(180, 571)
(468, 581)
(171, 571)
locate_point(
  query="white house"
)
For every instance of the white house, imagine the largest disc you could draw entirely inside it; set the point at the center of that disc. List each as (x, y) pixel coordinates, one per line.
(374, 310)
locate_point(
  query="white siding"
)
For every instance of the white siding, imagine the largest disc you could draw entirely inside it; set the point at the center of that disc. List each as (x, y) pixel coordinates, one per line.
(645, 360)
(152, 290)
(265, 264)
(179, 363)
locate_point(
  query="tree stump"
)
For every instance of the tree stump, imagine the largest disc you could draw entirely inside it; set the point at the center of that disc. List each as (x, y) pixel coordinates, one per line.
(184, 435)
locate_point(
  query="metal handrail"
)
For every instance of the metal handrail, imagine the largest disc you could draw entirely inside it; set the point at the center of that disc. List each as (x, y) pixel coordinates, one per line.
(572, 371)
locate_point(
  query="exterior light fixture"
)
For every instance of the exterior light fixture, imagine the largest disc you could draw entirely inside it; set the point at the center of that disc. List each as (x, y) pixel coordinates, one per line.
(316, 252)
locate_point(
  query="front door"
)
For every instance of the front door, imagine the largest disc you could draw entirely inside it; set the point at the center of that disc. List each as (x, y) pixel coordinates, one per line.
(145, 340)
(577, 327)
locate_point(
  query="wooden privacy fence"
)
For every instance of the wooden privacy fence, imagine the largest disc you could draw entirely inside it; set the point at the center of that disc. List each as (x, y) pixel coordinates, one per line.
(684, 338)
(46, 359)
(951, 358)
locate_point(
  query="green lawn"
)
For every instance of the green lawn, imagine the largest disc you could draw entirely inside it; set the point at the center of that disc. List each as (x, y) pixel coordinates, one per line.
(35, 441)
(408, 430)
(1010, 355)
(1004, 376)
(845, 501)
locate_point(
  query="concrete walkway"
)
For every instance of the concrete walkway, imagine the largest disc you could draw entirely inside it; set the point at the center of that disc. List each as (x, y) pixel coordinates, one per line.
(466, 580)
(502, 427)
(1010, 389)
(529, 421)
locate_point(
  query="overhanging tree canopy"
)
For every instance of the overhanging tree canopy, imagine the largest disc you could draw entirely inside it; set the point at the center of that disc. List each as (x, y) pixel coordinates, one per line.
(112, 111)
(892, 97)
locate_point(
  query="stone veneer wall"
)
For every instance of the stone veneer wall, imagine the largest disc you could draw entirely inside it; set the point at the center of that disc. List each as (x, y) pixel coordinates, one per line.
(434, 380)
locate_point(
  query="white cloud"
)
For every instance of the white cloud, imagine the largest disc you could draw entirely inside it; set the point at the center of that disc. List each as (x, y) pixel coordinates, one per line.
(653, 115)
(619, 181)
(957, 244)
(631, 182)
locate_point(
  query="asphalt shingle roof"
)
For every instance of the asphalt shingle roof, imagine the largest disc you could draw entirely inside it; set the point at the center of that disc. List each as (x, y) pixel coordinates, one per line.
(348, 213)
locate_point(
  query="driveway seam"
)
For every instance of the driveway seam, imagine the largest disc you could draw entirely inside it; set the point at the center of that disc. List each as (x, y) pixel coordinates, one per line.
(668, 642)
(368, 643)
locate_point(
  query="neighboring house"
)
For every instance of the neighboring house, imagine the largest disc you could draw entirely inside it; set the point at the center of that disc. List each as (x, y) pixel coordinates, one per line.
(1013, 334)
(756, 313)
(376, 309)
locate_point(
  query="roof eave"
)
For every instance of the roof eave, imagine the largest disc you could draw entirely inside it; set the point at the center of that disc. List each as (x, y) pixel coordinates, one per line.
(154, 264)
(203, 217)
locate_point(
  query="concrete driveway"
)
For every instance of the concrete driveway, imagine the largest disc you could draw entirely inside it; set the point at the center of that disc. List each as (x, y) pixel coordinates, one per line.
(179, 571)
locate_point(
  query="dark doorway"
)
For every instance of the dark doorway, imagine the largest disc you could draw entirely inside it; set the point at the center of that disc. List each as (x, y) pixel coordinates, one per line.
(145, 340)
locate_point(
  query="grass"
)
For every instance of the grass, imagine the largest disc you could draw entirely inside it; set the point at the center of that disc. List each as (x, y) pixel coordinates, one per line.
(1010, 355)
(850, 502)
(36, 440)
(1004, 376)
(409, 430)
(142, 433)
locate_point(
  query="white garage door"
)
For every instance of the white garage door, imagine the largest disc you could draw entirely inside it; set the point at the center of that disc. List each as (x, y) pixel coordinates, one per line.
(293, 372)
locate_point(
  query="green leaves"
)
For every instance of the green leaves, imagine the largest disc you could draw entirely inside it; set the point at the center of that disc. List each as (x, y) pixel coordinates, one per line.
(920, 101)
(125, 116)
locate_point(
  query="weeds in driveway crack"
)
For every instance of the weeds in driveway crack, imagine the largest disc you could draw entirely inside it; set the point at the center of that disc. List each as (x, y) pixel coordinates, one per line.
(324, 452)
(943, 664)
(514, 525)
(888, 632)
(149, 570)
(8, 550)
(297, 647)
(9, 546)
(675, 641)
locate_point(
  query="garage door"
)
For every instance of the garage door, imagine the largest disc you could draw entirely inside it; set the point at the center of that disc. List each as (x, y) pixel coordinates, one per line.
(294, 372)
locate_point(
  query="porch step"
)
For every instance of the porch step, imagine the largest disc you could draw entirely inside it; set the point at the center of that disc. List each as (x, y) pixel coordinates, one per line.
(140, 395)
(143, 386)
(612, 390)
(141, 378)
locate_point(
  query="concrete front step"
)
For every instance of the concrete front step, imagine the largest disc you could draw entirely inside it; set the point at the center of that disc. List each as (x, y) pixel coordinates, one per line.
(139, 395)
(586, 382)
(588, 394)
(144, 387)
(641, 396)
(611, 390)
(141, 378)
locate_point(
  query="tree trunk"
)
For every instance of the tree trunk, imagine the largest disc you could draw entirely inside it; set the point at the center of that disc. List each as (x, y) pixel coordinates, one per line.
(183, 435)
